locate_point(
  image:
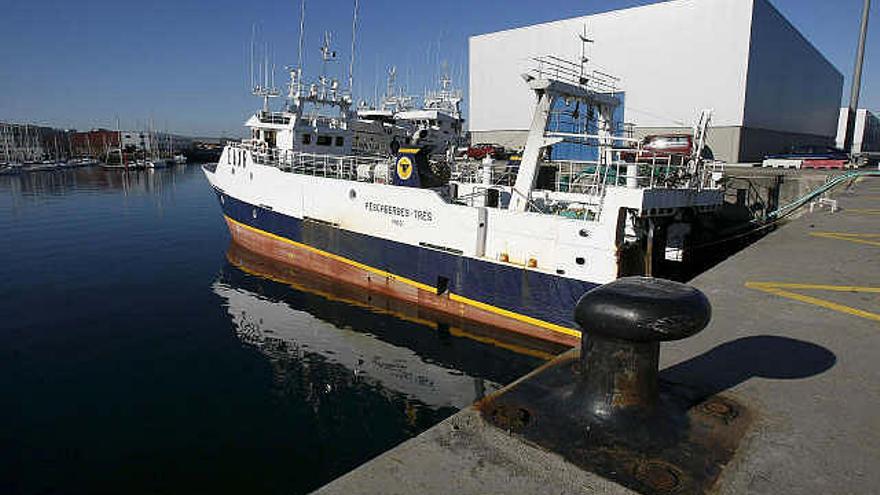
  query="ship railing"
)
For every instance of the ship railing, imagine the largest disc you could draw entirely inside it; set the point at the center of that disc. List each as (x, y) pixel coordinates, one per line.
(347, 167)
(654, 172)
(316, 120)
(560, 69)
(591, 177)
(469, 172)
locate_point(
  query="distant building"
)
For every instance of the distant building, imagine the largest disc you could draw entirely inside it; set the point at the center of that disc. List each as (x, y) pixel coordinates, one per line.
(29, 143)
(96, 142)
(866, 134)
(99, 141)
(770, 88)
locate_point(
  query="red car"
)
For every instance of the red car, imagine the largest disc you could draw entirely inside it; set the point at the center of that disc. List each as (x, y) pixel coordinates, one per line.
(678, 146)
(480, 151)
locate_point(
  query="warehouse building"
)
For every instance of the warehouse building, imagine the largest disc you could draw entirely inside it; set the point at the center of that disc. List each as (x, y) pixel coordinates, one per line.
(866, 132)
(769, 87)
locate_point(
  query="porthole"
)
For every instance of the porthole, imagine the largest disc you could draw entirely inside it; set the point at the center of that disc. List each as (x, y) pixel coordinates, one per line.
(579, 260)
(254, 213)
(352, 194)
(584, 233)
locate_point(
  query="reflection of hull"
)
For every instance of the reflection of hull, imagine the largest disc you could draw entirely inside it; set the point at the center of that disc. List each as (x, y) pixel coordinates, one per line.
(368, 278)
(276, 327)
(332, 290)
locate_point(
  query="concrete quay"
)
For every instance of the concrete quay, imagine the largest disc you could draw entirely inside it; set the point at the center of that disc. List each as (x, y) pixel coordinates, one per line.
(794, 337)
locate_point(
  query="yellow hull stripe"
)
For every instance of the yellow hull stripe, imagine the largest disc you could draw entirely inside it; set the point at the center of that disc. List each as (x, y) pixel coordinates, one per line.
(515, 316)
(778, 289)
(413, 283)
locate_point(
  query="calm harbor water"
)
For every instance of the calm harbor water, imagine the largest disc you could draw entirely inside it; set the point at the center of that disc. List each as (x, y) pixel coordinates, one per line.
(141, 353)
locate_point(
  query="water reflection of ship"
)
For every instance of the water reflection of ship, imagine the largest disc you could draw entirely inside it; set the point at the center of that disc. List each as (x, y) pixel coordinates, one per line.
(399, 350)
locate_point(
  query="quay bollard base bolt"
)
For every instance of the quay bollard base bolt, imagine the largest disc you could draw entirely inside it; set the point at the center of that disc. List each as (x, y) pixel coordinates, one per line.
(661, 476)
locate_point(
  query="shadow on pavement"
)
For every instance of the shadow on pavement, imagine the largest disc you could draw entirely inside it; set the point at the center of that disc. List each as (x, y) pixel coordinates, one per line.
(763, 356)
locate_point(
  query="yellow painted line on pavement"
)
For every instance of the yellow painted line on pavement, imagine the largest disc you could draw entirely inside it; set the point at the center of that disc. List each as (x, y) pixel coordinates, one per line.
(779, 289)
(862, 211)
(869, 239)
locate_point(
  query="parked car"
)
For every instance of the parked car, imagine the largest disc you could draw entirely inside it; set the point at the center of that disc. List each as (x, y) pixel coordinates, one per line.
(810, 152)
(679, 146)
(480, 151)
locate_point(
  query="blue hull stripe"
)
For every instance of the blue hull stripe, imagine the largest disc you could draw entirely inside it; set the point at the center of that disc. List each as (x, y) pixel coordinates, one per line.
(537, 295)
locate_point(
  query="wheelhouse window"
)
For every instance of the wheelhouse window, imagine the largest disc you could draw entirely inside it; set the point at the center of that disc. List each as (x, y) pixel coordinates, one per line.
(325, 140)
(269, 136)
(307, 139)
(340, 141)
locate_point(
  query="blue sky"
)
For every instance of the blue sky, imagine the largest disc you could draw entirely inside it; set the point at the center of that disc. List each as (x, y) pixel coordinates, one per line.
(183, 63)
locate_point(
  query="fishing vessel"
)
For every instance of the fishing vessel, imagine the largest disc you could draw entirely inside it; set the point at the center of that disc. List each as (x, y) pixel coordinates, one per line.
(378, 131)
(437, 126)
(511, 245)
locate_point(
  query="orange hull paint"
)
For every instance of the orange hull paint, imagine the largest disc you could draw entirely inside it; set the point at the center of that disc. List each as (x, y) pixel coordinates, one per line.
(306, 259)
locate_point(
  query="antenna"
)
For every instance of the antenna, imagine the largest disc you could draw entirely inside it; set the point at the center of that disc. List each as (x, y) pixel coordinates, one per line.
(264, 85)
(253, 40)
(583, 62)
(327, 54)
(266, 65)
(353, 39)
(444, 76)
(392, 77)
(302, 27)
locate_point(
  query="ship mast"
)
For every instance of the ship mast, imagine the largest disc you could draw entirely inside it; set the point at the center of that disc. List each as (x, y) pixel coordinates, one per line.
(353, 41)
(299, 62)
(265, 88)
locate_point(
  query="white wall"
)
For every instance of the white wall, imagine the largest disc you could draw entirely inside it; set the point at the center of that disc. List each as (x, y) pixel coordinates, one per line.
(740, 57)
(791, 86)
(673, 58)
(866, 131)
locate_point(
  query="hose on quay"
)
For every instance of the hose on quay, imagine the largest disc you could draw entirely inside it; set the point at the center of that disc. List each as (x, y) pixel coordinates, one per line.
(805, 199)
(777, 216)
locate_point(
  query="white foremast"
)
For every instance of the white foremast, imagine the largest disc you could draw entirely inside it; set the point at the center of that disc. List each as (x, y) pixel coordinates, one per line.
(548, 92)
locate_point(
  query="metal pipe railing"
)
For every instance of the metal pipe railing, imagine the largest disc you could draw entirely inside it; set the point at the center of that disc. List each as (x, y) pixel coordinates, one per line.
(356, 168)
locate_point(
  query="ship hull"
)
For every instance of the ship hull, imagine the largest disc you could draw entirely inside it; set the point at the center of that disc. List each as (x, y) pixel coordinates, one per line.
(522, 301)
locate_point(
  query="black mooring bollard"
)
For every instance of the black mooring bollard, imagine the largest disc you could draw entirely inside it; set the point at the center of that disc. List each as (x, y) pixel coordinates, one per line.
(607, 411)
(623, 323)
